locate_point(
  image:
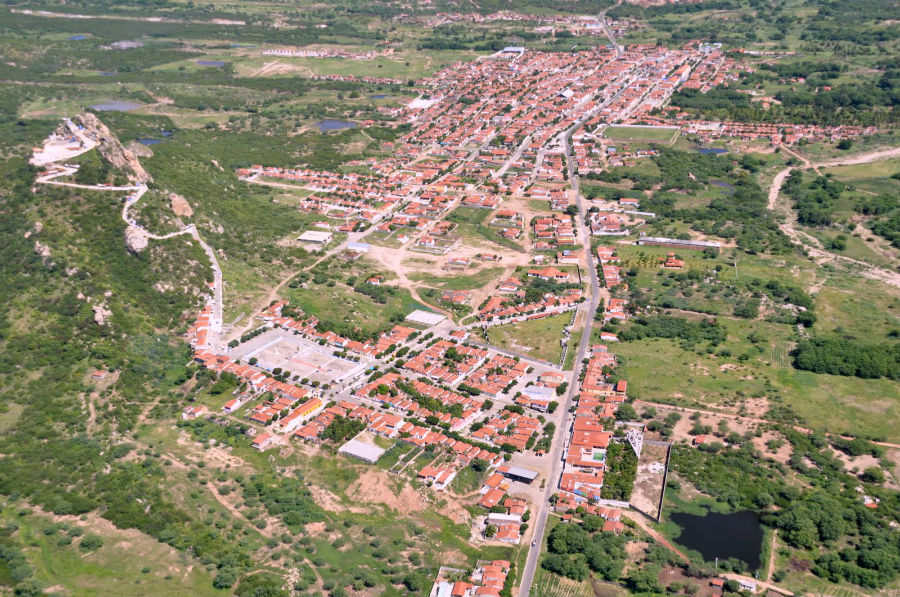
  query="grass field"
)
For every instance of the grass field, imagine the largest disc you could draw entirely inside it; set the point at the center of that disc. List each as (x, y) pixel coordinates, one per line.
(126, 559)
(479, 279)
(660, 370)
(539, 339)
(466, 481)
(639, 133)
(356, 309)
(855, 172)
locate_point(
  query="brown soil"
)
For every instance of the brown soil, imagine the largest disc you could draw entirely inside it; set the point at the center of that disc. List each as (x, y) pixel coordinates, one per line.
(331, 502)
(377, 487)
(782, 454)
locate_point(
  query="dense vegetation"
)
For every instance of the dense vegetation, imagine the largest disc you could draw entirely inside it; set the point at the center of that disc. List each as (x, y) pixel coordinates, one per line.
(664, 326)
(574, 549)
(741, 214)
(849, 542)
(621, 469)
(844, 356)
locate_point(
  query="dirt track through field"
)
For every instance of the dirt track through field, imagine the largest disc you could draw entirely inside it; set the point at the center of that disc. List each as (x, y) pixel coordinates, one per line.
(812, 245)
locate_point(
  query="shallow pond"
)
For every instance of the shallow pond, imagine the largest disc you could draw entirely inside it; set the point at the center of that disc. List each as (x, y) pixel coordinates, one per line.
(736, 535)
(116, 106)
(330, 124)
(712, 150)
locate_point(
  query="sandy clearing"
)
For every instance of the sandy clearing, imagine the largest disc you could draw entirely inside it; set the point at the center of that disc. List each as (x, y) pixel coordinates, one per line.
(377, 487)
(331, 502)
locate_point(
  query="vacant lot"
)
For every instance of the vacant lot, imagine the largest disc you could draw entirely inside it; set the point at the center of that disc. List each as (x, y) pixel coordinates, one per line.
(539, 339)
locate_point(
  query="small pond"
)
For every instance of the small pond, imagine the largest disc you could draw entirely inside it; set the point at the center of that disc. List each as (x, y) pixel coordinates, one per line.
(712, 150)
(380, 96)
(77, 37)
(107, 74)
(726, 186)
(116, 106)
(330, 124)
(736, 535)
(149, 142)
(216, 63)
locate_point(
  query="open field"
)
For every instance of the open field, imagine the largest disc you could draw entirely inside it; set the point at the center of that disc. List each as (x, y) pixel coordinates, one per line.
(654, 369)
(641, 133)
(128, 562)
(539, 338)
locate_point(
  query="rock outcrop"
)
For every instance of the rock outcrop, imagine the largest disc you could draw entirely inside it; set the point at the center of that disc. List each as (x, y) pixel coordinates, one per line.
(180, 205)
(112, 150)
(136, 239)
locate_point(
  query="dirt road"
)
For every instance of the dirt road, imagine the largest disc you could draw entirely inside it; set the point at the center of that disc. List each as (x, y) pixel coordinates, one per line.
(812, 245)
(645, 526)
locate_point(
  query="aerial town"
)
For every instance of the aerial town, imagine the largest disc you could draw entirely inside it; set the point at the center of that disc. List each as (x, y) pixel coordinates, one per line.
(492, 321)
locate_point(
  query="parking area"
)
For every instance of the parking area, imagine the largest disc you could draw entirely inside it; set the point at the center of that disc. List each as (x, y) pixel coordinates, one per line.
(305, 359)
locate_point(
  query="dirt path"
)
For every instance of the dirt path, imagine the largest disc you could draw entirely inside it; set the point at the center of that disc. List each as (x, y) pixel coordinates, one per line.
(395, 264)
(770, 569)
(642, 522)
(812, 245)
(759, 583)
(266, 532)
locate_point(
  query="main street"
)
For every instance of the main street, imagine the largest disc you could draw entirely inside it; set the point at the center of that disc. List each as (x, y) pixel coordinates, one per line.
(557, 451)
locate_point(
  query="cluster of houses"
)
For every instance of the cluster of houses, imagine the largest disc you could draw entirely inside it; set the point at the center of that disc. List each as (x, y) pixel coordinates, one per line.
(557, 196)
(609, 271)
(615, 310)
(551, 231)
(604, 223)
(599, 398)
(326, 53)
(658, 73)
(582, 477)
(591, 158)
(509, 428)
(446, 362)
(505, 513)
(487, 580)
(533, 95)
(386, 391)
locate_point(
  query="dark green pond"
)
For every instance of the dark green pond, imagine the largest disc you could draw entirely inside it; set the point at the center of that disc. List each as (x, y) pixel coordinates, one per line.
(736, 535)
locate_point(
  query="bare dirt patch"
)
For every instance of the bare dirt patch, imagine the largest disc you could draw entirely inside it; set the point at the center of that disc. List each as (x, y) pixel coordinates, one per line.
(861, 463)
(648, 484)
(781, 454)
(377, 487)
(331, 502)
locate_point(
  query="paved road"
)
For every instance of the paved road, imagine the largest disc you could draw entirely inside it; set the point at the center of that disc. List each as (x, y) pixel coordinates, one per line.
(560, 440)
(513, 159)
